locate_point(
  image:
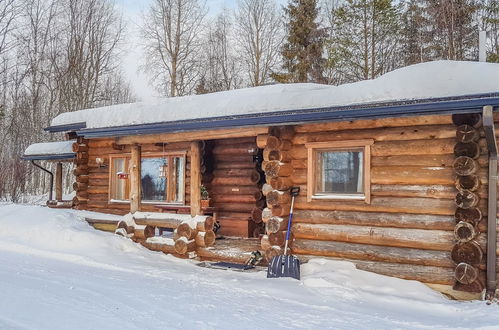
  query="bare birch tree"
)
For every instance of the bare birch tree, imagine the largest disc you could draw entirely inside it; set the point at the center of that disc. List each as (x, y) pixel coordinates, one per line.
(220, 62)
(171, 31)
(260, 36)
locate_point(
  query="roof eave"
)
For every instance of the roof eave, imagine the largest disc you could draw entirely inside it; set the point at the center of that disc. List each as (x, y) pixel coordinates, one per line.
(422, 107)
(65, 128)
(67, 156)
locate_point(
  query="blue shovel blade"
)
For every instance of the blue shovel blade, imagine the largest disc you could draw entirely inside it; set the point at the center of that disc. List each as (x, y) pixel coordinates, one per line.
(284, 266)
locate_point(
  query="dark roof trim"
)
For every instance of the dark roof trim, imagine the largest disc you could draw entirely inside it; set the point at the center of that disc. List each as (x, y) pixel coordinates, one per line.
(450, 105)
(49, 157)
(65, 128)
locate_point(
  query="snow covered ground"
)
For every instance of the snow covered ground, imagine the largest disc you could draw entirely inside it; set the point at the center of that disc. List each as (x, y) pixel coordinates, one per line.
(59, 273)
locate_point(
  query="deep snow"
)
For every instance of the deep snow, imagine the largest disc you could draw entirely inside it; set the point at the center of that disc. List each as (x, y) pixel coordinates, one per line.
(50, 148)
(59, 273)
(420, 81)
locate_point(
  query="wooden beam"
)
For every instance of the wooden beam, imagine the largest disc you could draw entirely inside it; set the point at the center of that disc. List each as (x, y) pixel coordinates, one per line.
(195, 178)
(58, 182)
(190, 136)
(135, 187)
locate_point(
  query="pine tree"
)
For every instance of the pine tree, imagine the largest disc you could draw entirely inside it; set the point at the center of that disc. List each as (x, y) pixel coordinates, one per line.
(490, 21)
(303, 51)
(454, 29)
(365, 39)
(416, 36)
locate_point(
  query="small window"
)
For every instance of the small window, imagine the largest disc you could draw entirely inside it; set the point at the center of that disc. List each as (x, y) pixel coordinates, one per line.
(162, 178)
(119, 188)
(339, 170)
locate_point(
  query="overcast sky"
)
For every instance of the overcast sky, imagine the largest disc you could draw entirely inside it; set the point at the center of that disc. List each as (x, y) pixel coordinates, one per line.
(133, 56)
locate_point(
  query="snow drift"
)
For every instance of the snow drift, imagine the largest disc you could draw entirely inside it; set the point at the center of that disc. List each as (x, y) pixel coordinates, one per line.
(59, 273)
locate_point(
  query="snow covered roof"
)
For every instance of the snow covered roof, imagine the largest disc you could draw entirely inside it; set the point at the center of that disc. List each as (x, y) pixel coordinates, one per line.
(50, 151)
(431, 80)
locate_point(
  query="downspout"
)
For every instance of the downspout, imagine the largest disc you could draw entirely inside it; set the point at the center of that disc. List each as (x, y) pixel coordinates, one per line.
(488, 125)
(51, 178)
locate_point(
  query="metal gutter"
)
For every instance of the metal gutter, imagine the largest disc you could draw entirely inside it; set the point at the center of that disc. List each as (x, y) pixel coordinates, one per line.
(488, 125)
(49, 157)
(51, 178)
(65, 128)
(372, 111)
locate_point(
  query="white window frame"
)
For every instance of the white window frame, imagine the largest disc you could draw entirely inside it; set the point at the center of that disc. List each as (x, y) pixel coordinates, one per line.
(313, 148)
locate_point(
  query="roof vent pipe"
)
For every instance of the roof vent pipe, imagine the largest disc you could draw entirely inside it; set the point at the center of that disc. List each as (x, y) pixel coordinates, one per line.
(482, 46)
(488, 125)
(51, 178)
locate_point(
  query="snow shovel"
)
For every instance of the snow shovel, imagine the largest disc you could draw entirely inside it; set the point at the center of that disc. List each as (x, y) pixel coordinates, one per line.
(286, 265)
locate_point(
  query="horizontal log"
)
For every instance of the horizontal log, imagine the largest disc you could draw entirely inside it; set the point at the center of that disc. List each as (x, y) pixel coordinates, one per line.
(187, 230)
(266, 214)
(472, 119)
(465, 273)
(372, 253)
(80, 186)
(212, 134)
(277, 197)
(282, 132)
(442, 160)
(234, 172)
(256, 215)
(412, 175)
(429, 132)
(281, 183)
(238, 149)
(465, 166)
(183, 246)
(272, 252)
(234, 190)
(235, 140)
(426, 191)
(383, 204)
(206, 225)
(236, 207)
(275, 154)
(275, 168)
(232, 198)
(98, 189)
(375, 123)
(278, 238)
(82, 178)
(466, 199)
(143, 232)
(81, 170)
(416, 221)
(236, 181)
(261, 140)
(168, 248)
(280, 210)
(471, 149)
(158, 222)
(264, 243)
(205, 239)
(469, 182)
(469, 252)
(275, 224)
(398, 237)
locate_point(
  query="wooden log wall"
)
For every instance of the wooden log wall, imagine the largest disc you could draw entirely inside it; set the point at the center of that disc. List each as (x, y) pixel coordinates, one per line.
(233, 180)
(466, 252)
(92, 179)
(278, 171)
(411, 221)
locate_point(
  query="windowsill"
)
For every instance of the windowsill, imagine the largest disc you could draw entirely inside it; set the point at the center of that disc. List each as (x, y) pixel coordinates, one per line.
(339, 197)
(117, 201)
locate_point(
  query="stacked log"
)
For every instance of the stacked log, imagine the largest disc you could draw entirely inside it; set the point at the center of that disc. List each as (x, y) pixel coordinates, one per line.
(81, 172)
(235, 186)
(467, 253)
(277, 168)
(189, 233)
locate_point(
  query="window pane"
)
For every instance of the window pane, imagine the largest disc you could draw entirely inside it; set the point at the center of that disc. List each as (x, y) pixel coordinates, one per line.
(340, 172)
(178, 179)
(119, 184)
(153, 182)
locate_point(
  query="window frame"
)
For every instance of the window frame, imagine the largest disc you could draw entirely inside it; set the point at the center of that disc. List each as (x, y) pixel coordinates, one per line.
(313, 148)
(127, 156)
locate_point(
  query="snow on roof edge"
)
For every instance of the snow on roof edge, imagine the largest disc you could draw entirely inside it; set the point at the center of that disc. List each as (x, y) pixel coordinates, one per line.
(59, 148)
(421, 81)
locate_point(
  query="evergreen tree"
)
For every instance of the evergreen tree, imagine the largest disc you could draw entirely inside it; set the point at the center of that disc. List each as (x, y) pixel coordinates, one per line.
(490, 23)
(454, 30)
(302, 53)
(416, 33)
(365, 39)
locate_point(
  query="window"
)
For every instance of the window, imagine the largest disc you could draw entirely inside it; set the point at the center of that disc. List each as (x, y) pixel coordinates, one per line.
(339, 170)
(162, 178)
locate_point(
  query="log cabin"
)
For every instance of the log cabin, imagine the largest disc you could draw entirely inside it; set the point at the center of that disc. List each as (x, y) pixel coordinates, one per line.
(397, 174)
